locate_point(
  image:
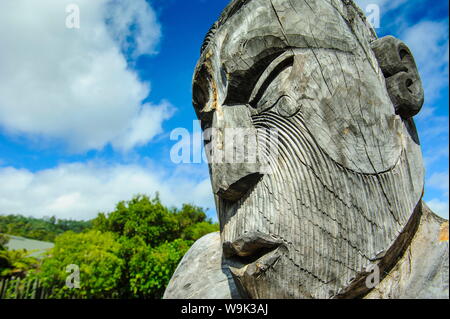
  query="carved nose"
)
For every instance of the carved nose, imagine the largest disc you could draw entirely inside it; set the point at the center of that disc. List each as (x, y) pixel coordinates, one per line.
(238, 189)
(233, 153)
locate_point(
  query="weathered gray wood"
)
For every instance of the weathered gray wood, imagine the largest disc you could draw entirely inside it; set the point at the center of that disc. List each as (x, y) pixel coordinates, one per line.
(201, 274)
(421, 272)
(344, 188)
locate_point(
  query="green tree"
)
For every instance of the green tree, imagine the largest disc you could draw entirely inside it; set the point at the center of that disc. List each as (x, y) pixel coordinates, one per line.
(16, 263)
(190, 215)
(4, 239)
(130, 252)
(142, 217)
(152, 268)
(198, 230)
(97, 256)
(153, 240)
(45, 229)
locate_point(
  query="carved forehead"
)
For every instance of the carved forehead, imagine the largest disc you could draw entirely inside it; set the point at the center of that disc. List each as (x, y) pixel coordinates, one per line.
(297, 23)
(252, 33)
(234, 6)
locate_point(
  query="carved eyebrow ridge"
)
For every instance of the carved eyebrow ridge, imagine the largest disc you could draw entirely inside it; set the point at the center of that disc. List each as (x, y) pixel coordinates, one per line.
(280, 64)
(241, 83)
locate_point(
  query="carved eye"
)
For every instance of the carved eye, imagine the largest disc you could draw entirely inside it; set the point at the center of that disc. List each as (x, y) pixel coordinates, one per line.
(268, 93)
(286, 106)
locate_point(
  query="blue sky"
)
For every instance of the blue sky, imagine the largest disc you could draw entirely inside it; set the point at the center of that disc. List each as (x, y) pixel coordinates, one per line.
(86, 114)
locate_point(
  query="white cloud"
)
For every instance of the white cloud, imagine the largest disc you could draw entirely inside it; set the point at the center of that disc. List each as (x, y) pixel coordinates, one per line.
(384, 5)
(428, 40)
(143, 128)
(81, 190)
(439, 181)
(436, 154)
(137, 21)
(74, 85)
(439, 207)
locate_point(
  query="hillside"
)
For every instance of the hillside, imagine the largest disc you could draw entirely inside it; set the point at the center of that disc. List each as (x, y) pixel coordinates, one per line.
(43, 229)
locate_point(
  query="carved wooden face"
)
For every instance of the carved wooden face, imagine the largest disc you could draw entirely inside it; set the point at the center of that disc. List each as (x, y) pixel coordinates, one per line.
(347, 174)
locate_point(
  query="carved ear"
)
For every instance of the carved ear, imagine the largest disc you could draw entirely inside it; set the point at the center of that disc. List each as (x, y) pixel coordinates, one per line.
(403, 81)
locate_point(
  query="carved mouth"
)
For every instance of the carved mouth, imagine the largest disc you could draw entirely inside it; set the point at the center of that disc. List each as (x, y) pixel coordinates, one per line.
(251, 256)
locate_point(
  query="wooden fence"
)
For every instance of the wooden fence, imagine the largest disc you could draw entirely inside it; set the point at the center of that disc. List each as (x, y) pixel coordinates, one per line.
(17, 288)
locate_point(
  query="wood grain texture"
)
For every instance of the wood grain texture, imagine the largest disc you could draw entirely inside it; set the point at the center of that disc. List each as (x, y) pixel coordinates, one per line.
(423, 270)
(421, 273)
(201, 274)
(345, 184)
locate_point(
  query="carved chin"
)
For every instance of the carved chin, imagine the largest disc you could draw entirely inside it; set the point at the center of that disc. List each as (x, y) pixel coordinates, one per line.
(253, 279)
(254, 260)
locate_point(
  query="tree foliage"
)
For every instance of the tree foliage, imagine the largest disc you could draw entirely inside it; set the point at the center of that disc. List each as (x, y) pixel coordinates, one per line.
(45, 229)
(131, 252)
(152, 268)
(96, 254)
(141, 217)
(16, 263)
(4, 239)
